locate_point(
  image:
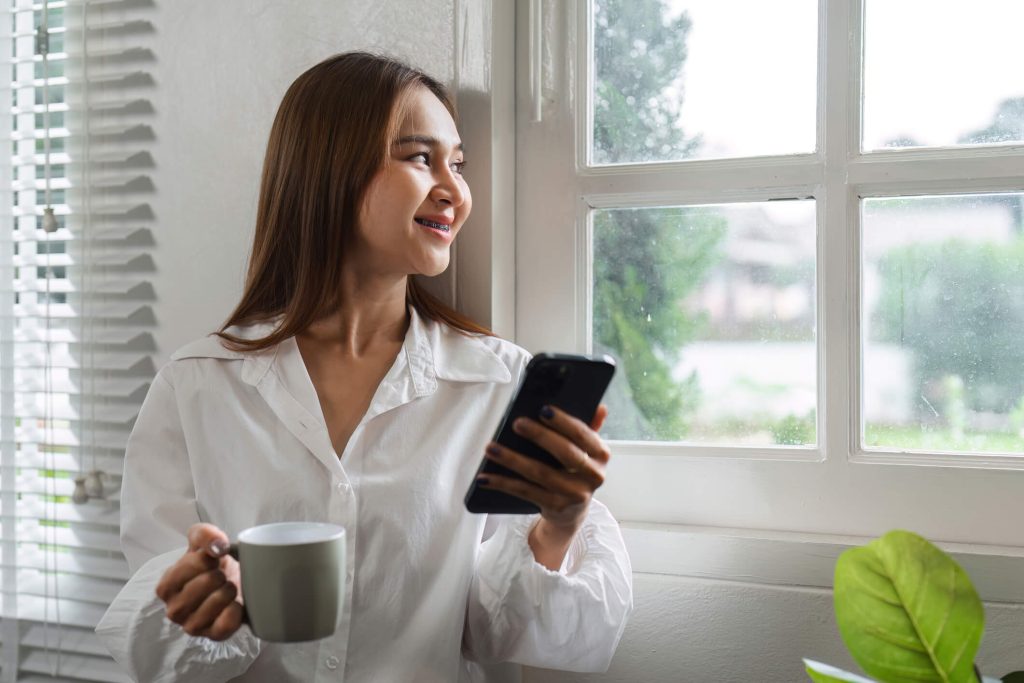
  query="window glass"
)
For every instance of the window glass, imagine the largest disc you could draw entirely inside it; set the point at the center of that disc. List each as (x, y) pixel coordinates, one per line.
(709, 312)
(962, 82)
(691, 79)
(54, 68)
(56, 94)
(943, 293)
(56, 120)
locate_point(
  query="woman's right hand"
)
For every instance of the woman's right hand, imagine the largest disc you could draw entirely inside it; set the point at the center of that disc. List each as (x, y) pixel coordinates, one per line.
(202, 590)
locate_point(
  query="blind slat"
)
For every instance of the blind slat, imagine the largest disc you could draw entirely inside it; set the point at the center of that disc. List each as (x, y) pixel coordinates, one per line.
(112, 309)
(75, 588)
(100, 413)
(35, 358)
(33, 484)
(75, 667)
(105, 438)
(74, 563)
(104, 513)
(32, 532)
(106, 336)
(79, 641)
(113, 387)
(66, 235)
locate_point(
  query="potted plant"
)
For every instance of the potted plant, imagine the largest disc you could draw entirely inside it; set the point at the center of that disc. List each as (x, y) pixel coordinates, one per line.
(908, 613)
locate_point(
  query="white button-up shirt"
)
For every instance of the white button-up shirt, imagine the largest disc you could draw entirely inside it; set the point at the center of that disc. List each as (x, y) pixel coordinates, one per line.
(433, 592)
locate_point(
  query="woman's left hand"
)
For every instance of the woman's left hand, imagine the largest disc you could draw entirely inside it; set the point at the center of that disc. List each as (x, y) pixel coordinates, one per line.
(563, 495)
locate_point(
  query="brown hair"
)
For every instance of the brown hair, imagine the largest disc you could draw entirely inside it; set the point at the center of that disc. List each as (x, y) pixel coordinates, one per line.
(329, 139)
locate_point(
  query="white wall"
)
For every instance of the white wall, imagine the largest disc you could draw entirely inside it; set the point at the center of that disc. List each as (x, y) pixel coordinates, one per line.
(687, 630)
(222, 69)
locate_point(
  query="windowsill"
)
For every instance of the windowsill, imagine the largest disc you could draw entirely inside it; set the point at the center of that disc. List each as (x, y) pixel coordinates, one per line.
(795, 559)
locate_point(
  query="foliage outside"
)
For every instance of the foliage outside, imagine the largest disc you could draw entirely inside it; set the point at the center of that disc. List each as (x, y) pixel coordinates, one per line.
(959, 307)
(646, 260)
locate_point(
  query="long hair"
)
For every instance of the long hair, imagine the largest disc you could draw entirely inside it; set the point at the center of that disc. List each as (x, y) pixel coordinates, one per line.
(330, 137)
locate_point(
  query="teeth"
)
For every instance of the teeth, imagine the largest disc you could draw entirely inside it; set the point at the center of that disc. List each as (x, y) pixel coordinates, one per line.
(432, 224)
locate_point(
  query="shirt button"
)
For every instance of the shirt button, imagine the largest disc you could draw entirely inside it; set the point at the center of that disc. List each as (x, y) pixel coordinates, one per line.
(331, 663)
(342, 487)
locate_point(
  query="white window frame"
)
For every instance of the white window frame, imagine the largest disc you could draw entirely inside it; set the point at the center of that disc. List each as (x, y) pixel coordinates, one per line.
(836, 487)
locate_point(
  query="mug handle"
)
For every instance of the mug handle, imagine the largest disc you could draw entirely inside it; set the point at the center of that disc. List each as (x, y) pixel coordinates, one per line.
(233, 552)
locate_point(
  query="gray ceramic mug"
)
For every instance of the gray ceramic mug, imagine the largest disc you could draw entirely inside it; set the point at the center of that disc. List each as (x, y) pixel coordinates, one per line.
(293, 579)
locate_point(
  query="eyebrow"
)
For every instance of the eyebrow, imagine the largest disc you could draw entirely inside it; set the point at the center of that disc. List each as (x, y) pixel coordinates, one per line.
(424, 140)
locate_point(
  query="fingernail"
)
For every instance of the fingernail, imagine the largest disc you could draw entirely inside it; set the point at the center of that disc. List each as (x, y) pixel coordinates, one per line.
(547, 413)
(218, 548)
(519, 425)
(494, 451)
(483, 480)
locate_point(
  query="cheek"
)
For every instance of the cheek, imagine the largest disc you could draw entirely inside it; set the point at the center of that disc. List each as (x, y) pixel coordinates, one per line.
(467, 202)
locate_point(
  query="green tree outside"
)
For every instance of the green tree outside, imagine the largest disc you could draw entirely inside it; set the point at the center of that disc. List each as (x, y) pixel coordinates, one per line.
(647, 260)
(959, 306)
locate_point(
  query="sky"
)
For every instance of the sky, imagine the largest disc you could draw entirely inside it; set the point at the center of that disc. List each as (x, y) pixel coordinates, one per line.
(934, 70)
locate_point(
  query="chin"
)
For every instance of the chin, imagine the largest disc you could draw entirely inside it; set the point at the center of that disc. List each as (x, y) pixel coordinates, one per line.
(434, 269)
(435, 264)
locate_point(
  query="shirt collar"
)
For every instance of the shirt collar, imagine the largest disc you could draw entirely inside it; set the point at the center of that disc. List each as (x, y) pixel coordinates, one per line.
(434, 351)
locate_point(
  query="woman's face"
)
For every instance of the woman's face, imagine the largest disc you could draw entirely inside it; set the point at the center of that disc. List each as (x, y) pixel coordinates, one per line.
(417, 203)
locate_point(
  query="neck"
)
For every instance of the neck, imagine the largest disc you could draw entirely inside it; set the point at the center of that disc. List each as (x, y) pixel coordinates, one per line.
(370, 315)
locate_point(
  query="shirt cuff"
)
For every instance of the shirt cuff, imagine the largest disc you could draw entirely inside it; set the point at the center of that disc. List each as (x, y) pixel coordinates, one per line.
(150, 647)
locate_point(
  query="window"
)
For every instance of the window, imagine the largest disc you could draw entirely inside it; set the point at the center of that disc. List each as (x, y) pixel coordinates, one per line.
(797, 227)
(73, 349)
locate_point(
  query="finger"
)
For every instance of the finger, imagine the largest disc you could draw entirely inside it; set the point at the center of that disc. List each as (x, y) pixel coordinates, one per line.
(599, 418)
(229, 621)
(208, 538)
(520, 489)
(577, 431)
(183, 605)
(545, 476)
(572, 457)
(191, 565)
(215, 603)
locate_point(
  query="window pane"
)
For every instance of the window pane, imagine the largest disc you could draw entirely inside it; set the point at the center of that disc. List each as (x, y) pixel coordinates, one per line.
(940, 73)
(943, 291)
(685, 79)
(709, 312)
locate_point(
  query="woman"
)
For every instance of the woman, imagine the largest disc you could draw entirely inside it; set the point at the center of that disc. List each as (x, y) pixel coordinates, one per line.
(338, 391)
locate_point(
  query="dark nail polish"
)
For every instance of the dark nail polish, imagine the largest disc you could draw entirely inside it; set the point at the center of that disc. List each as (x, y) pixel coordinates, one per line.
(547, 413)
(484, 481)
(494, 451)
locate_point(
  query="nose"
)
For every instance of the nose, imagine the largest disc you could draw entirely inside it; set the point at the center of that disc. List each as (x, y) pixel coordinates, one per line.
(448, 188)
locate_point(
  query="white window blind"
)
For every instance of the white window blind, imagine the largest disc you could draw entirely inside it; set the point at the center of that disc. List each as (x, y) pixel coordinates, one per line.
(74, 324)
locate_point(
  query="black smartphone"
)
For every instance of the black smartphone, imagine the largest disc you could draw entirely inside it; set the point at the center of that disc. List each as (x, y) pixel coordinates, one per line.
(572, 383)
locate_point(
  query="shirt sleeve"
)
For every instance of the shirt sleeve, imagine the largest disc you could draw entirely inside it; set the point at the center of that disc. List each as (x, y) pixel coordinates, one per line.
(520, 611)
(158, 505)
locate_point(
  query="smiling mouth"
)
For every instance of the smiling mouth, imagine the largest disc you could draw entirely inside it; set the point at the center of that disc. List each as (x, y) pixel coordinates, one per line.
(431, 224)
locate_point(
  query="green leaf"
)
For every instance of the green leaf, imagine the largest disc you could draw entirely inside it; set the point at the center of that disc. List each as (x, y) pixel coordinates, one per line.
(907, 612)
(826, 673)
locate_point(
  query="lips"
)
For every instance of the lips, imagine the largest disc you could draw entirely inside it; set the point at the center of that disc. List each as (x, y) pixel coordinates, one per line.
(426, 222)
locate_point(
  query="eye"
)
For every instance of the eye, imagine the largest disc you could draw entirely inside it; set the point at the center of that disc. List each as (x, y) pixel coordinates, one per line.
(421, 157)
(457, 166)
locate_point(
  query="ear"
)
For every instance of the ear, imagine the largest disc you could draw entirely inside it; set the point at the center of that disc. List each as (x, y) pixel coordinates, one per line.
(599, 416)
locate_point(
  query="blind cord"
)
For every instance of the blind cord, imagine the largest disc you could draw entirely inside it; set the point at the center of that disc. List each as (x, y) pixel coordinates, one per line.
(49, 227)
